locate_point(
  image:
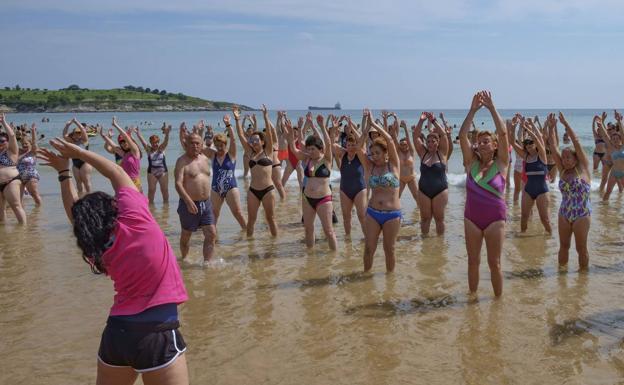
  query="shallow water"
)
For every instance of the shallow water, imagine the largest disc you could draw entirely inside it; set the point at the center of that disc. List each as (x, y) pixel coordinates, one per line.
(272, 312)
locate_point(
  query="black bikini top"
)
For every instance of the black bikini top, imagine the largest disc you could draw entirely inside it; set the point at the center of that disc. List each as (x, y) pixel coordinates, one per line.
(321, 171)
(264, 162)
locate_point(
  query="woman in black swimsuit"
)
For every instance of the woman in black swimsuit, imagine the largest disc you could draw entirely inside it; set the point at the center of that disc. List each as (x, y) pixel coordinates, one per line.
(260, 167)
(433, 185)
(80, 169)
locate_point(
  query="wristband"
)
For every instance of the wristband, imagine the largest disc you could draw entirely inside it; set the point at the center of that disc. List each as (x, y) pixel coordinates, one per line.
(64, 177)
(62, 171)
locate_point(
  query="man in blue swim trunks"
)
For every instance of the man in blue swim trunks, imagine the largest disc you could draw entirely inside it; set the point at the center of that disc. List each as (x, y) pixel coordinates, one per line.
(192, 182)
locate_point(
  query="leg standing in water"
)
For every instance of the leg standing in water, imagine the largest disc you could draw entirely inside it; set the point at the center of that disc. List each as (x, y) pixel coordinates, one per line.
(575, 186)
(119, 237)
(485, 212)
(192, 182)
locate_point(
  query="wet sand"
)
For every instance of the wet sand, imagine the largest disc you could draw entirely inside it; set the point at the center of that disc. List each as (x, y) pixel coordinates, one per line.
(274, 313)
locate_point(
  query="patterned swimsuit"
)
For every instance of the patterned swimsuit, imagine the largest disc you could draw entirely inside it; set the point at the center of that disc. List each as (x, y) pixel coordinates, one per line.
(575, 202)
(26, 166)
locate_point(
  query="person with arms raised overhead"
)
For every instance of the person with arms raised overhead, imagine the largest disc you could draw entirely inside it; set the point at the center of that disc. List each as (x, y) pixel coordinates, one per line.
(119, 237)
(485, 212)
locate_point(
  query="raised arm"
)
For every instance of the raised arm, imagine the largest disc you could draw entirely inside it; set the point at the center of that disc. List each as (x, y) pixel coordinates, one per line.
(269, 136)
(83, 131)
(464, 141)
(393, 155)
(290, 137)
(134, 149)
(410, 144)
(230, 131)
(536, 134)
(239, 129)
(419, 145)
(117, 176)
(444, 143)
(13, 147)
(66, 129)
(502, 153)
(578, 148)
(143, 142)
(166, 130)
(33, 138)
(327, 141)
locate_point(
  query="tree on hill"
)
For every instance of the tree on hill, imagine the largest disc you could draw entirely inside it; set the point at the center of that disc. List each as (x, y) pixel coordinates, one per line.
(147, 90)
(7, 88)
(139, 89)
(163, 92)
(73, 87)
(155, 91)
(130, 88)
(17, 87)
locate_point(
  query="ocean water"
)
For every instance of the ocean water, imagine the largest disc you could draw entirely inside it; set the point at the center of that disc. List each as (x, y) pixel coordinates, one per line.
(272, 312)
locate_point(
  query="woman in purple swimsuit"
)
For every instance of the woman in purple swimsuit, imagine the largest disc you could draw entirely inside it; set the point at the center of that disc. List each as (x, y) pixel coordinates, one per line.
(486, 211)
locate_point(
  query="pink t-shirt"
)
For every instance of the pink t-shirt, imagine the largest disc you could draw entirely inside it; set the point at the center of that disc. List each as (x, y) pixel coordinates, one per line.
(131, 165)
(141, 262)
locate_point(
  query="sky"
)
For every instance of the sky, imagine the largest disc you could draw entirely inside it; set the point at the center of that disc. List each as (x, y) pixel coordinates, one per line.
(397, 54)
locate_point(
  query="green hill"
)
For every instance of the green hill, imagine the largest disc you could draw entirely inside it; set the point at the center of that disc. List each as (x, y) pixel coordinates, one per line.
(129, 98)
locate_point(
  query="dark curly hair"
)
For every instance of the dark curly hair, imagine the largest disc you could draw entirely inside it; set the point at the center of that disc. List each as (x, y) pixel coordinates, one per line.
(95, 216)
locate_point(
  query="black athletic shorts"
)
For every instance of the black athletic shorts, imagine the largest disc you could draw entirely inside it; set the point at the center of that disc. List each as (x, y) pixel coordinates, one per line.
(143, 346)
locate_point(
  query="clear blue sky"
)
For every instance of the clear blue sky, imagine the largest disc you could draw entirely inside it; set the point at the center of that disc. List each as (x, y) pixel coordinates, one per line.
(291, 54)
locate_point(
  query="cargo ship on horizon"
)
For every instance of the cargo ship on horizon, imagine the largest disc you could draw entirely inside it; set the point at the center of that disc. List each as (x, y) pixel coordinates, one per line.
(335, 107)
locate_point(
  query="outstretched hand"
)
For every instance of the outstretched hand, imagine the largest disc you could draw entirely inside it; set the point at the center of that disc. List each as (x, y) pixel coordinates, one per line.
(236, 112)
(66, 149)
(477, 102)
(226, 119)
(486, 99)
(53, 160)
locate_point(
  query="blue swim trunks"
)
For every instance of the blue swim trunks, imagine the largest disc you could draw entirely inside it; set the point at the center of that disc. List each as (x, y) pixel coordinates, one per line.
(192, 222)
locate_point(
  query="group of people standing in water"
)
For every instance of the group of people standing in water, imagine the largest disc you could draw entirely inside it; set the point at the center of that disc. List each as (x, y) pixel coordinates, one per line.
(376, 164)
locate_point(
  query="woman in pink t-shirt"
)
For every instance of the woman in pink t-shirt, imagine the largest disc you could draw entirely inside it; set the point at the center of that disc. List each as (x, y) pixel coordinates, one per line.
(119, 237)
(129, 152)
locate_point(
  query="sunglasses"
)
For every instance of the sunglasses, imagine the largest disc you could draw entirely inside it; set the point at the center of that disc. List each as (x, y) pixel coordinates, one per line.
(256, 140)
(527, 142)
